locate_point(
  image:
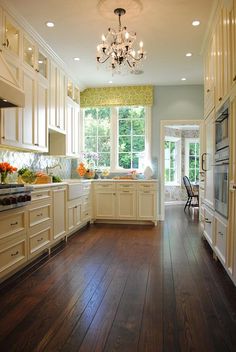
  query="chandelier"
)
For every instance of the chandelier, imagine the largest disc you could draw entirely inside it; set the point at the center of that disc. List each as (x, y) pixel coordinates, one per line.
(117, 49)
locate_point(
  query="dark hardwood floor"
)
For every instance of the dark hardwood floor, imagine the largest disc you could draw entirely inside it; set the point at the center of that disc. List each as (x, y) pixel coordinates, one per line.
(124, 288)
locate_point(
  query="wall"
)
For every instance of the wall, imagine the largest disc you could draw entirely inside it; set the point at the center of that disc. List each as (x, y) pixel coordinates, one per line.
(173, 103)
(36, 162)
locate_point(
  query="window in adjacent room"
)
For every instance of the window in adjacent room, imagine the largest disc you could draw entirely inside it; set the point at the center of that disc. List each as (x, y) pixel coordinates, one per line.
(172, 160)
(192, 159)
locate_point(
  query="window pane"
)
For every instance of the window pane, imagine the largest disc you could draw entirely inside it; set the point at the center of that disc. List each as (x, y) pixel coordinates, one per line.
(197, 162)
(167, 179)
(125, 160)
(138, 144)
(172, 175)
(90, 144)
(90, 127)
(103, 144)
(104, 159)
(125, 144)
(124, 127)
(191, 148)
(91, 113)
(104, 127)
(135, 161)
(104, 113)
(192, 175)
(125, 113)
(197, 148)
(138, 127)
(192, 162)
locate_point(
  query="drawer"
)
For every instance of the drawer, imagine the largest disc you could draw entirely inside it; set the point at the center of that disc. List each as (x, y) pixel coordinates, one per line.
(39, 240)
(12, 254)
(208, 226)
(86, 214)
(105, 186)
(12, 222)
(220, 239)
(126, 186)
(41, 194)
(39, 214)
(147, 186)
(86, 188)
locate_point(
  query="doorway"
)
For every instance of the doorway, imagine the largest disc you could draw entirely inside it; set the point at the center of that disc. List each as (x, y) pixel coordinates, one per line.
(180, 153)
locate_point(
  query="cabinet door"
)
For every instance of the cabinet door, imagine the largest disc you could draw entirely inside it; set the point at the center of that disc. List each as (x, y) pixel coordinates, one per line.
(60, 108)
(59, 213)
(41, 118)
(209, 160)
(28, 113)
(69, 128)
(78, 214)
(11, 36)
(126, 204)
(147, 206)
(220, 240)
(233, 44)
(52, 95)
(105, 205)
(219, 59)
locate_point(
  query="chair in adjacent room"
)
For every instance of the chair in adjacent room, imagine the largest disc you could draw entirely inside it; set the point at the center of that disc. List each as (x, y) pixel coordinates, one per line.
(190, 193)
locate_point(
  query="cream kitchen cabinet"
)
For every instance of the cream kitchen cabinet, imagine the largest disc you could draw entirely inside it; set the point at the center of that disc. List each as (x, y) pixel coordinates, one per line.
(233, 44)
(74, 211)
(221, 238)
(13, 241)
(35, 113)
(11, 36)
(126, 201)
(131, 200)
(209, 77)
(208, 225)
(105, 200)
(11, 119)
(147, 202)
(39, 214)
(59, 196)
(208, 160)
(72, 128)
(57, 102)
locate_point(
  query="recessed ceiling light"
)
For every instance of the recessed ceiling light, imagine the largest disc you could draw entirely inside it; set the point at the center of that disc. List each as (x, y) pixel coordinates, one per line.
(189, 54)
(29, 48)
(110, 82)
(76, 58)
(183, 79)
(40, 61)
(50, 24)
(195, 23)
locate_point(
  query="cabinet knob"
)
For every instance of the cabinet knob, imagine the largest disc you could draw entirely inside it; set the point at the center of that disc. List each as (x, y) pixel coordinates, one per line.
(220, 98)
(234, 79)
(208, 90)
(36, 70)
(3, 137)
(36, 144)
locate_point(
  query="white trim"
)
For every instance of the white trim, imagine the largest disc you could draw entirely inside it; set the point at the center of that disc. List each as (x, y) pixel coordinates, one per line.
(178, 144)
(175, 202)
(164, 123)
(186, 154)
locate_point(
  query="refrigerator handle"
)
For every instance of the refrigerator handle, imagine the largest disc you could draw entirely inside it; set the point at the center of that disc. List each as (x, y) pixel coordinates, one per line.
(203, 161)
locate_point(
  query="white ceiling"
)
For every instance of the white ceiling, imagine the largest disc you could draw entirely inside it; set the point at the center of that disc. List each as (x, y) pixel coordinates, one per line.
(163, 25)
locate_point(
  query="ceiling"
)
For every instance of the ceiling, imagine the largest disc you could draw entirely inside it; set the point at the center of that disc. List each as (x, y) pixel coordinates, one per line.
(165, 27)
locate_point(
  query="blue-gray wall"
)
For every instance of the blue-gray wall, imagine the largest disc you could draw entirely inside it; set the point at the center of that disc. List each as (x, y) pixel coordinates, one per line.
(173, 103)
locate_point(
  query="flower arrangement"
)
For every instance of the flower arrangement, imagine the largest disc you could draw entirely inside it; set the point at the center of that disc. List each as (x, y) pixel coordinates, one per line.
(86, 167)
(84, 171)
(5, 169)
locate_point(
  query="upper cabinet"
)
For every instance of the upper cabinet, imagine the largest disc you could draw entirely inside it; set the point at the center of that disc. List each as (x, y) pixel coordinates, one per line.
(220, 58)
(11, 36)
(57, 98)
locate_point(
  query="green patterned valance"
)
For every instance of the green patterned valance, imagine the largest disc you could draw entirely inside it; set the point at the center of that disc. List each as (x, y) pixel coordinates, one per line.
(117, 96)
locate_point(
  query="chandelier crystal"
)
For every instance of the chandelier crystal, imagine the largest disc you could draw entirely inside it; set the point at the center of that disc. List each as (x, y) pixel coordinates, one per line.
(117, 49)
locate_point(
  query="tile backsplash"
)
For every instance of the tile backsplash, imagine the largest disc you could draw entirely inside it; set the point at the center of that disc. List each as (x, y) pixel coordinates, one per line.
(36, 162)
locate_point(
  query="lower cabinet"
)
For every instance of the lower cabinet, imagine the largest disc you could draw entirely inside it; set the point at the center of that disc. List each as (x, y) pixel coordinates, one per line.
(74, 214)
(131, 200)
(208, 224)
(59, 197)
(221, 239)
(39, 239)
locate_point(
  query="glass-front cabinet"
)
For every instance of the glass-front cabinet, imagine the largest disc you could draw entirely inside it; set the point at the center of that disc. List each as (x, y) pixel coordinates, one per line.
(42, 64)
(11, 36)
(28, 52)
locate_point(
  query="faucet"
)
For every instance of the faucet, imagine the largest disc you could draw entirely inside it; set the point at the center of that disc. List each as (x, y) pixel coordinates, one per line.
(52, 167)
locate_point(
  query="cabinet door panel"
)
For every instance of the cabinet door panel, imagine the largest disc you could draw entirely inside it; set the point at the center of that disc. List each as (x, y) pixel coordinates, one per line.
(147, 205)
(42, 115)
(105, 205)
(126, 204)
(29, 110)
(59, 213)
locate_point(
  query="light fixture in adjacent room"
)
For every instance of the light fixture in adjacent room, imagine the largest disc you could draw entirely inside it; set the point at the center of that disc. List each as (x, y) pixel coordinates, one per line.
(118, 51)
(196, 23)
(189, 54)
(50, 24)
(183, 79)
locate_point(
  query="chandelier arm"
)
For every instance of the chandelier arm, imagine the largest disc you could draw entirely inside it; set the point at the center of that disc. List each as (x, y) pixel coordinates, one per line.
(102, 62)
(136, 59)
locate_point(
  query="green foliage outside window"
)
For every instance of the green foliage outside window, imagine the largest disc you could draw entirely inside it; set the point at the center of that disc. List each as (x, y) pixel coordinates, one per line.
(170, 161)
(194, 161)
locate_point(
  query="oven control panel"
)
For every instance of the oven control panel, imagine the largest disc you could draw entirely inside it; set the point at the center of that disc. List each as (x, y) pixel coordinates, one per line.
(14, 197)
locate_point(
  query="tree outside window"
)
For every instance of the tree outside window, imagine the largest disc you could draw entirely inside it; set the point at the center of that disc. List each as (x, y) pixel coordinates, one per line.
(192, 148)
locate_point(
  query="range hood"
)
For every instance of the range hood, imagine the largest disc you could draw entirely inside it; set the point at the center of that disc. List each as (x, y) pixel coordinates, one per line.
(11, 95)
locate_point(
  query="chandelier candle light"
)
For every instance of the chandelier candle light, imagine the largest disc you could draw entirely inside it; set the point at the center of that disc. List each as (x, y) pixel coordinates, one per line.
(117, 48)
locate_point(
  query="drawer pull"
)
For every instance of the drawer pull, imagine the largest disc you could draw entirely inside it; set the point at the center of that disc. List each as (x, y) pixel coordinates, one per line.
(220, 98)
(86, 214)
(220, 233)
(125, 191)
(39, 195)
(14, 223)
(76, 206)
(208, 90)
(14, 254)
(207, 221)
(40, 239)
(146, 191)
(40, 214)
(114, 194)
